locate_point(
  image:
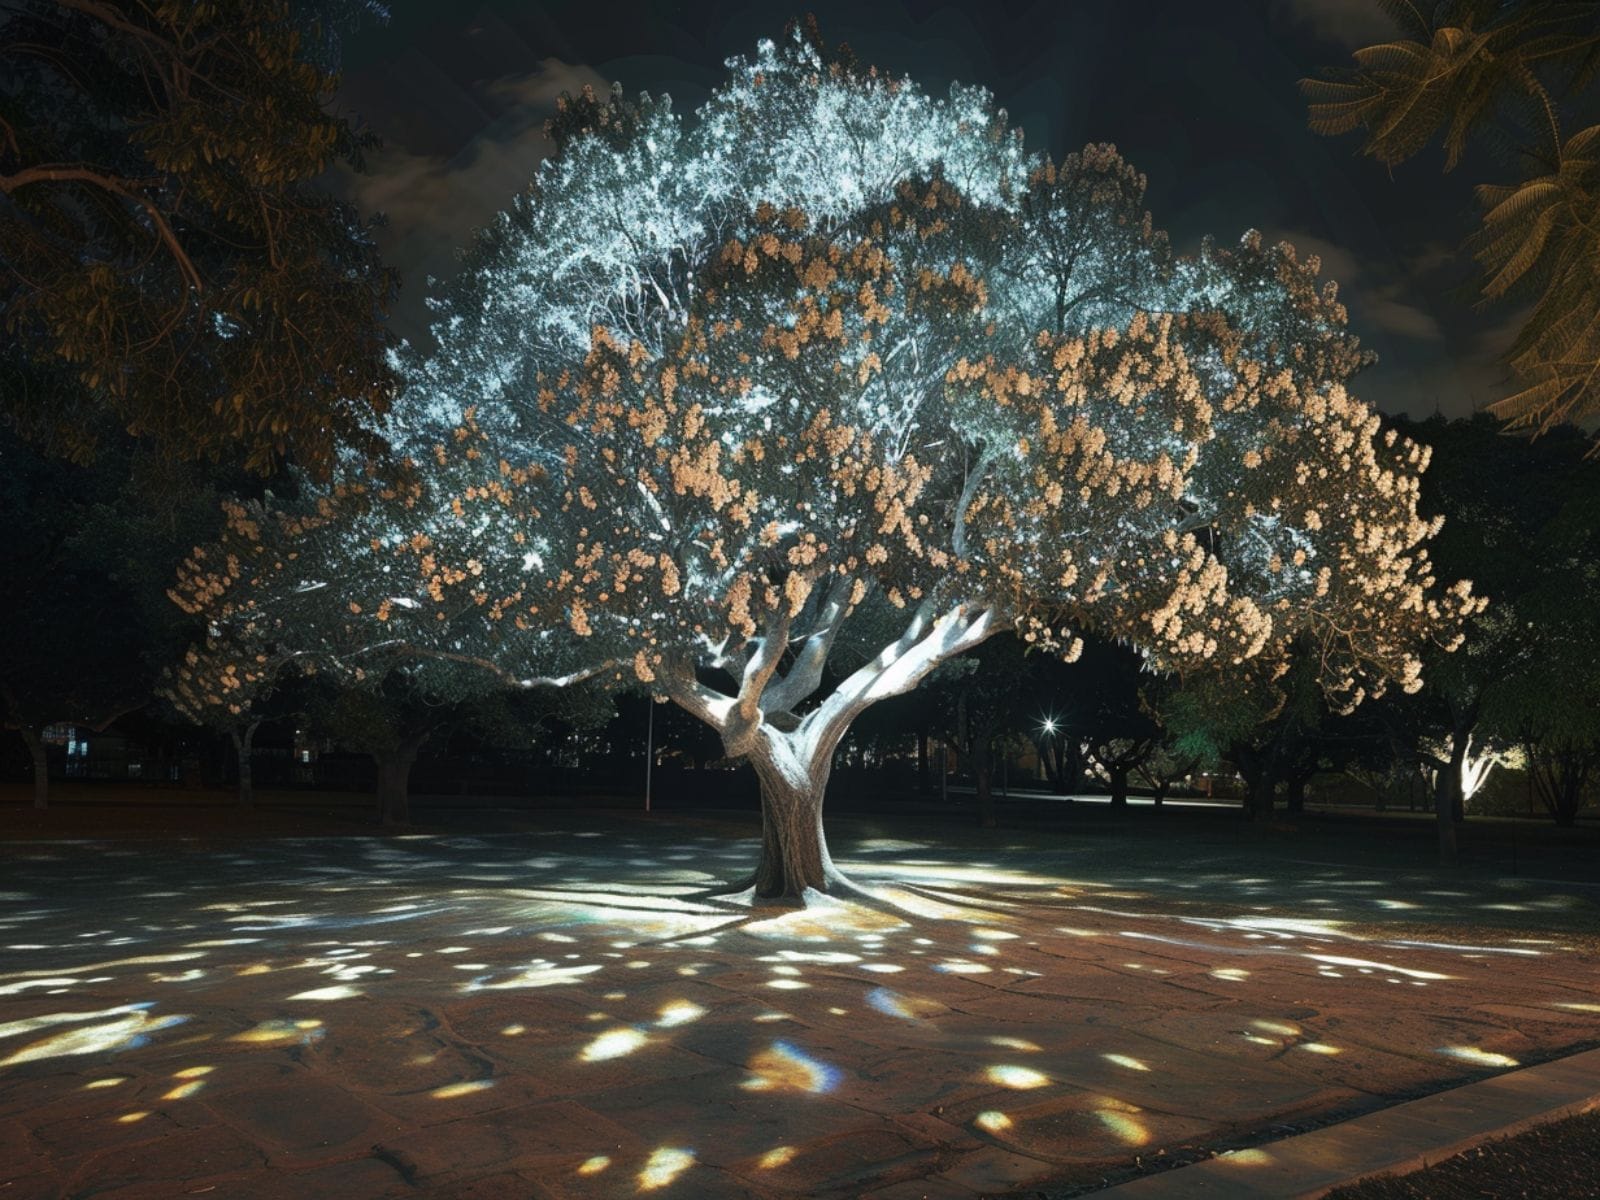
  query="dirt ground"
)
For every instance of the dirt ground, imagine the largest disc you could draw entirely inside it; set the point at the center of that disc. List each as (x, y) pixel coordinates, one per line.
(548, 1012)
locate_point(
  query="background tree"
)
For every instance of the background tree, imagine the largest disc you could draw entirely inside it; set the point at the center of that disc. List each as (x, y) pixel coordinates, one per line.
(981, 705)
(166, 256)
(85, 628)
(1548, 695)
(719, 404)
(1513, 512)
(1517, 76)
(1118, 735)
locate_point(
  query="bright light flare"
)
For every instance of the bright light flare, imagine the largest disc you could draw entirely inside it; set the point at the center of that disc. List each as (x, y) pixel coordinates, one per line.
(786, 1067)
(614, 1043)
(1123, 1060)
(664, 1165)
(1478, 1057)
(452, 1090)
(1021, 1078)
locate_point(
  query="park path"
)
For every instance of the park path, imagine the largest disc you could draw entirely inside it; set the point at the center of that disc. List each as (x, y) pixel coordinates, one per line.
(538, 1016)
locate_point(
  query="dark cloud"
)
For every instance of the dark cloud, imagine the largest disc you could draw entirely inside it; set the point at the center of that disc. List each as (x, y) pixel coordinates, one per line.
(1351, 23)
(435, 201)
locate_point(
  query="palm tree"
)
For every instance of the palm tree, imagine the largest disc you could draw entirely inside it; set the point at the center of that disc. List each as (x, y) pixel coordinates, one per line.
(1512, 75)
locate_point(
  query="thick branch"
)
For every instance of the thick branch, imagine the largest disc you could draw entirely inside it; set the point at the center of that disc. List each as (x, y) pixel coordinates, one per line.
(899, 668)
(958, 536)
(762, 665)
(511, 678)
(695, 698)
(118, 187)
(805, 673)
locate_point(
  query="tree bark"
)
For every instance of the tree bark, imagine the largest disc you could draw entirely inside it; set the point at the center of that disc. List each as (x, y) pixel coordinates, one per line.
(1446, 795)
(394, 781)
(1119, 786)
(794, 851)
(983, 781)
(243, 747)
(34, 736)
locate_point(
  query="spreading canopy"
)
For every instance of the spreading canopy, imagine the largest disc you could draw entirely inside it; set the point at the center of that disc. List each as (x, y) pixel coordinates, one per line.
(840, 364)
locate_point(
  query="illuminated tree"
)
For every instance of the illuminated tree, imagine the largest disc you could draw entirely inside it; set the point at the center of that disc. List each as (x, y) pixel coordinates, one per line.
(830, 387)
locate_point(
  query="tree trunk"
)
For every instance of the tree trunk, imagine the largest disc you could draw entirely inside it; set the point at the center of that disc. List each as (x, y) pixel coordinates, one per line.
(34, 736)
(1158, 793)
(1262, 788)
(1119, 786)
(1295, 793)
(794, 852)
(983, 780)
(924, 781)
(1446, 795)
(394, 782)
(243, 747)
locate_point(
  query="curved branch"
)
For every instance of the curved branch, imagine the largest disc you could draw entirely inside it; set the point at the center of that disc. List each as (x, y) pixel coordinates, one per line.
(117, 187)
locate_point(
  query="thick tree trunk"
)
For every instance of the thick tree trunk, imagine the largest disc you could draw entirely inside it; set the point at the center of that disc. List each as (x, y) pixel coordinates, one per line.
(794, 852)
(1119, 786)
(394, 782)
(34, 736)
(244, 747)
(1260, 799)
(1159, 792)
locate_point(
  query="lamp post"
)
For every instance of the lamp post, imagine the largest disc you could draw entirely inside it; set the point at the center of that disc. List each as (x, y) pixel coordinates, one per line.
(649, 747)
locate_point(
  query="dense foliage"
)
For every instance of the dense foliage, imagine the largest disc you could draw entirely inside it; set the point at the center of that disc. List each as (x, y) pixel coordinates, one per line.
(1518, 77)
(839, 372)
(165, 254)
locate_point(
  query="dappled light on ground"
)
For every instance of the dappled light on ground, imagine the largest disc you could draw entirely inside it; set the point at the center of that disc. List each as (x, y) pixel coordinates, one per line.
(365, 1015)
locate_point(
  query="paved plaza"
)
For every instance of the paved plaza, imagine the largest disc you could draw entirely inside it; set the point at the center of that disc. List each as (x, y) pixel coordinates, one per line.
(552, 1013)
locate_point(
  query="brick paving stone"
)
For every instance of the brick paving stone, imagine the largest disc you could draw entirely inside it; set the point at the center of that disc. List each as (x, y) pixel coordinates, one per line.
(77, 1138)
(364, 1177)
(562, 1127)
(508, 1185)
(306, 1123)
(994, 1170)
(36, 1185)
(178, 1161)
(937, 1130)
(934, 1187)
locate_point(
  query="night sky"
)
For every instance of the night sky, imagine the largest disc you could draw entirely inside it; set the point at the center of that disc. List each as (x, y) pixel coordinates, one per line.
(1201, 97)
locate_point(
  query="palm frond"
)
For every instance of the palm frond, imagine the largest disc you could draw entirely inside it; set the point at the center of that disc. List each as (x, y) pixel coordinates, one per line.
(1408, 17)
